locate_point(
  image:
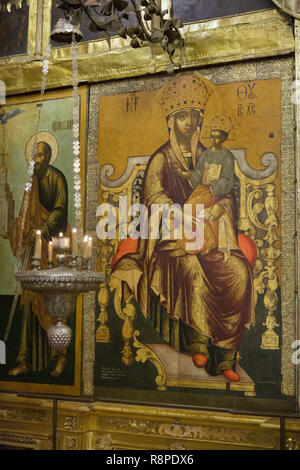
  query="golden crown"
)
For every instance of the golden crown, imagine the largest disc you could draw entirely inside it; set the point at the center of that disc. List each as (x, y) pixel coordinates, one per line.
(222, 122)
(185, 91)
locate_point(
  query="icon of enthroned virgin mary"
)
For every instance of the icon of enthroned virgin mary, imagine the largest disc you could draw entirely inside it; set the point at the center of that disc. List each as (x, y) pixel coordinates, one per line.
(199, 303)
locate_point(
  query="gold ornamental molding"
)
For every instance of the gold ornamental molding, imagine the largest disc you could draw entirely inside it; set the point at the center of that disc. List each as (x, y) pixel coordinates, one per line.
(23, 414)
(253, 35)
(297, 119)
(119, 426)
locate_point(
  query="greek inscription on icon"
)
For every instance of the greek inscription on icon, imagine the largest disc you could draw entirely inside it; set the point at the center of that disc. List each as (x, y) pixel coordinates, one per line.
(131, 103)
(246, 92)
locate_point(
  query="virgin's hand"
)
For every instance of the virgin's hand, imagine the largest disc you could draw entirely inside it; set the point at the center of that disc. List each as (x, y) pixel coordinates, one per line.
(207, 213)
(214, 213)
(180, 171)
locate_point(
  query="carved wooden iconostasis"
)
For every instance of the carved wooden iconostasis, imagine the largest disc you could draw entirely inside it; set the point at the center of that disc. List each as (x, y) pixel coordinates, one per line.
(129, 353)
(10, 22)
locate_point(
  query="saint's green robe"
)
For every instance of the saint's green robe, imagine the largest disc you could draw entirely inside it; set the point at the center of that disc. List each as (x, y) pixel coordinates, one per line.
(47, 211)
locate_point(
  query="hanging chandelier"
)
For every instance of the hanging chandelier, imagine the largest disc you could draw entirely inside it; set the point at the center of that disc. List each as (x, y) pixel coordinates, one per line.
(143, 22)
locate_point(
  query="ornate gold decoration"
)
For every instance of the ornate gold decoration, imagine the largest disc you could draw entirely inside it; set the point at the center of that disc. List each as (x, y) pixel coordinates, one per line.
(103, 332)
(291, 443)
(177, 446)
(92, 182)
(70, 442)
(127, 333)
(71, 423)
(191, 91)
(163, 381)
(181, 431)
(297, 227)
(257, 34)
(268, 203)
(18, 439)
(222, 122)
(127, 314)
(106, 250)
(143, 354)
(213, 172)
(104, 443)
(22, 414)
(273, 68)
(117, 426)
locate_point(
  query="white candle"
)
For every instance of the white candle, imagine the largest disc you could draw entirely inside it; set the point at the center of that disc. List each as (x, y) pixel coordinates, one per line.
(60, 234)
(38, 245)
(85, 247)
(74, 242)
(50, 252)
(89, 248)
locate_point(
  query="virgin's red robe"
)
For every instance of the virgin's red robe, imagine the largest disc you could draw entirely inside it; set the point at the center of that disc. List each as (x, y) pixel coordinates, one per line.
(210, 293)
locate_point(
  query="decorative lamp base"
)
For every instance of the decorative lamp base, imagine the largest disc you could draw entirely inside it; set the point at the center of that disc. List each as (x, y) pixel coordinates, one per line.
(59, 336)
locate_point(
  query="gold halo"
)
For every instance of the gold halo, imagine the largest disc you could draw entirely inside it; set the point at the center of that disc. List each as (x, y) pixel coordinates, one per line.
(42, 137)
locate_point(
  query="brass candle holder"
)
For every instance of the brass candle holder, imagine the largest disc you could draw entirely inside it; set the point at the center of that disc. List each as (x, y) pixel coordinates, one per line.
(60, 287)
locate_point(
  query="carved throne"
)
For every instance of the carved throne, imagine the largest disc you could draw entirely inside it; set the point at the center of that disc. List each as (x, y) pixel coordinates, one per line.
(258, 219)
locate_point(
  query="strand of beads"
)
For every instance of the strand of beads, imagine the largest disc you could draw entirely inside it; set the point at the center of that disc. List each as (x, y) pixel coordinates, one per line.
(28, 185)
(76, 143)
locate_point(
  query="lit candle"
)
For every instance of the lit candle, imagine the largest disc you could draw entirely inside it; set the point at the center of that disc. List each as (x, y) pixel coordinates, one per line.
(74, 242)
(60, 234)
(38, 245)
(50, 252)
(85, 247)
(89, 248)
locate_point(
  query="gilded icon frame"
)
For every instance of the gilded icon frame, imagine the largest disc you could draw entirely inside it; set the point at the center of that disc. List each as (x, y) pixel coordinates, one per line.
(53, 388)
(260, 70)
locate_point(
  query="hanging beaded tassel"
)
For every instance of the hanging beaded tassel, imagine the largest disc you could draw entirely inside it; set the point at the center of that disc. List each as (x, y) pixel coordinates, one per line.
(28, 185)
(76, 143)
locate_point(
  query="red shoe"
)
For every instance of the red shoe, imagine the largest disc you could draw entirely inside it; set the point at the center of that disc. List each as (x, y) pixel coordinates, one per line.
(231, 375)
(200, 360)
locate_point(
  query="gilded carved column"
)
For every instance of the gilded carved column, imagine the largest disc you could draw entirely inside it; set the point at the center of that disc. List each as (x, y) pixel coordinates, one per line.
(261, 200)
(270, 339)
(296, 102)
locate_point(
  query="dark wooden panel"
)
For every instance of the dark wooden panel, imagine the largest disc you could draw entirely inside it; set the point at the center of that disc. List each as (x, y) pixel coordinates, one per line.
(195, 10)
(88, 35)
(13, 31)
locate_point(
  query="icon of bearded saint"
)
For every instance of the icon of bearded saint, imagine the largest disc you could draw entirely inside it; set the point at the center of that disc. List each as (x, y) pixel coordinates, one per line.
(44, 207)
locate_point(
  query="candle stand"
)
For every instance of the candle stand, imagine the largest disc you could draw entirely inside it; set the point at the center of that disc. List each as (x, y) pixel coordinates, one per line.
(60, 287)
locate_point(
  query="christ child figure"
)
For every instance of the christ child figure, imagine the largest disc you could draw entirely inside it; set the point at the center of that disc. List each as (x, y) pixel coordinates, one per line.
(212, 179)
